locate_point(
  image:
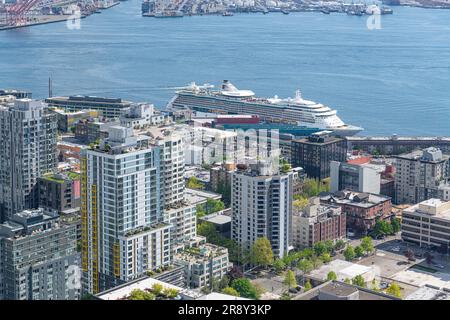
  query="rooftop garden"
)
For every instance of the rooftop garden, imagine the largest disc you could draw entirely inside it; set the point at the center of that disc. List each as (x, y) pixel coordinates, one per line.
(156, 292)
(53, 178)
(73, 175)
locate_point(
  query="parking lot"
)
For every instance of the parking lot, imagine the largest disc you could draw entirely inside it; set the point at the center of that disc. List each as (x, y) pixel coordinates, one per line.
(392, 265)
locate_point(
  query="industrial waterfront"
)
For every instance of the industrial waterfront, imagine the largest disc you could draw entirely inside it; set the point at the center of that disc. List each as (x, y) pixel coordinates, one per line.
(399, 74)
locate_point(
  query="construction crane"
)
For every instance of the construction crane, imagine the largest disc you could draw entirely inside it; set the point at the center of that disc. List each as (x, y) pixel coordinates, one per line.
(17, 14)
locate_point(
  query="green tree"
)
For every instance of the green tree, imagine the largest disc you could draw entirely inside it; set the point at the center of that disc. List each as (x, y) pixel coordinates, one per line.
(382, 228)
(300, 203)
(305, 266)
(307, 253)
(331, 276)
(326, 258)
(285, 296)
(347, 281)
(329, 245)
(279, 265)
(230, 291)
(359, 251)
(157, 288)
(193, 183)
(308, 286)
(375, 285)
(316, 261)
(261, 253)
(359, 281)
(367, 244)
(214, 284)
(394, 290)
(320, 248)
(245, 288)
(286, 167)
(289, 279)
(349, 253)
(212, 206)
(396, 225)
(224, 282)
(138, 294)
(207, 230)
(170, 293)
(200, 210)
(340, 244)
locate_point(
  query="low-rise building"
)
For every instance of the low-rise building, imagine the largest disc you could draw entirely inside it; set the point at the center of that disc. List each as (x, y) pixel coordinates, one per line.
(123, 292)
(362, 209)
(107, 107)
(89, 131)
(221, 221)
(428, 224)
(317, 222)
(67, 119)
(335, 290)
(143, 115)
(204, 263)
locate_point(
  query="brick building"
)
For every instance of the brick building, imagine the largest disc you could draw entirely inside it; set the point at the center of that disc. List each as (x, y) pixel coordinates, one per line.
(362, 209)
(317, 222)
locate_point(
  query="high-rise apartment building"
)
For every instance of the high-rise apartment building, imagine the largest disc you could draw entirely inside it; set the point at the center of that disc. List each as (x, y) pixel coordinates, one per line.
(261, 203)
(124, 235)
(177, 211)
(419, 175)
(38, 257)
(27, 150)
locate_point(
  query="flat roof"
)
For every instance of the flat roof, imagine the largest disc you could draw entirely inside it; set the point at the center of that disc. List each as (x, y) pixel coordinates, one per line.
(124, 290)
(217, 218)
(195, 196)
(429, 293)
(219, 296)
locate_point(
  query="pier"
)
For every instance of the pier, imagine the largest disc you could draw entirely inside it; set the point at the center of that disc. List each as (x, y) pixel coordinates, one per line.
(396, 144)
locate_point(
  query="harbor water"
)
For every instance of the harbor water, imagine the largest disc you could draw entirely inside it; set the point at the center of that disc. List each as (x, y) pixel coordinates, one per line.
(391, 80)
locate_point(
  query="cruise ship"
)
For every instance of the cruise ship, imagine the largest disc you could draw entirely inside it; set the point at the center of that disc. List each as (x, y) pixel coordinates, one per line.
(230, 100)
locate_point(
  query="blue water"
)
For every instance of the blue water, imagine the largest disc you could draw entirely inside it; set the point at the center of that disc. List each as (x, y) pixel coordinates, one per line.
(393, 80)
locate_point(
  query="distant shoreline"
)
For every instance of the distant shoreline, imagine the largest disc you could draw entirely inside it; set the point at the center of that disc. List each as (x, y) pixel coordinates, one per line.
(424, 4)
(56, 19)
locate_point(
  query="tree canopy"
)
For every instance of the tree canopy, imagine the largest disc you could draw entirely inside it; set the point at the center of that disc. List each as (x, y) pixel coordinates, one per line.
(331, 276)
(261, 252)
(394, 290)
(349, 253)
(245, 288)
(230, 291)
(289, 279)
(359, 281)
(367, 244)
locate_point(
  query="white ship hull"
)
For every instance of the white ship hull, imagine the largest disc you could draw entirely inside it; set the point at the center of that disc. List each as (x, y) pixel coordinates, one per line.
(290, 111)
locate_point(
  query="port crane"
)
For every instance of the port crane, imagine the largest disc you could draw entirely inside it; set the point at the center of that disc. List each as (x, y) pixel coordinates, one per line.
(18, 13)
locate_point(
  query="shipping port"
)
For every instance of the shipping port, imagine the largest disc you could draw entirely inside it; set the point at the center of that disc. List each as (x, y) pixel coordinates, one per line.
(25, 13)
(180, 8)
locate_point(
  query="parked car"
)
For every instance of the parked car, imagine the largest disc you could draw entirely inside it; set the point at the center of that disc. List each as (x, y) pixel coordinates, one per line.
(383, 285)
